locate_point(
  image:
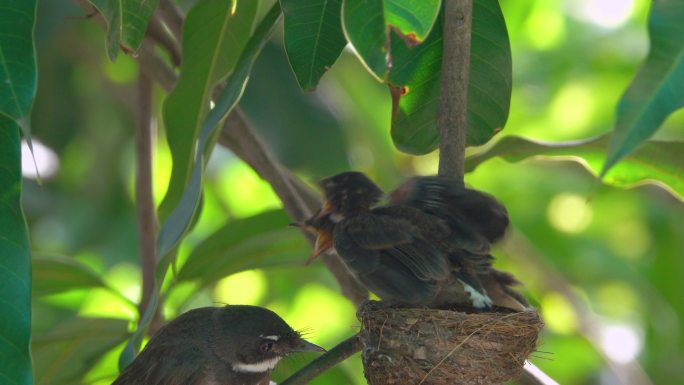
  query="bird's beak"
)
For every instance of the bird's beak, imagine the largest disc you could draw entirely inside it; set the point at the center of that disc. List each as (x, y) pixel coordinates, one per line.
(306, 346)
(323, 243)
(326, 209)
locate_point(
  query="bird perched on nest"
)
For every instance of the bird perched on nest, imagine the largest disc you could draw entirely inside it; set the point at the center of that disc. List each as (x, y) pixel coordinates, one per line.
(231, 345)
(405, 253)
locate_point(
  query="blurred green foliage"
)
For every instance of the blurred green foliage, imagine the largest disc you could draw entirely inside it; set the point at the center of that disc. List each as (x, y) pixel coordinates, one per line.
(618, 248)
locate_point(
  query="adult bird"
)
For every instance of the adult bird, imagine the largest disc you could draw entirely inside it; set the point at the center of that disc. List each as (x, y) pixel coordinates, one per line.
(230, 345)
(399, 252)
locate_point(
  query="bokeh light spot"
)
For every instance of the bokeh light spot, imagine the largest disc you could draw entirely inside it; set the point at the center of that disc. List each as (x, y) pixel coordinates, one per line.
(569, 213)
(244, 192)
(608, 14)
(617, 299)
(620, 342)
(558, 314)
(244, 288)
(123, 70)
(572, 108)
(46, 160)
(545, 26)
(630, 239)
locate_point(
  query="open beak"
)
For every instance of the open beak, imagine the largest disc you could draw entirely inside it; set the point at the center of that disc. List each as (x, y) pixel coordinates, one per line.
(323, 243)
(306, 346)
(326, 209)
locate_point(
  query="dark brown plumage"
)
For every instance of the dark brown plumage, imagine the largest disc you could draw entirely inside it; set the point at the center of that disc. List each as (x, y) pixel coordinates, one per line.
(231, 345)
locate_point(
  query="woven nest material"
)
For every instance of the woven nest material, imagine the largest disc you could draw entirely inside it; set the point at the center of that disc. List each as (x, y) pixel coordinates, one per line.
(431, 346)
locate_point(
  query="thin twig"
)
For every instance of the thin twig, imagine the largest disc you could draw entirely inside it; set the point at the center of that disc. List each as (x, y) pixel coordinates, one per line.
(158, 31)
(521, 249)
(452, 119)
(147, 223)
(334, 356)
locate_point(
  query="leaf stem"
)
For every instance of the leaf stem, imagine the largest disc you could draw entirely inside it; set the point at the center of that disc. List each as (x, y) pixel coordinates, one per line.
(331, 358)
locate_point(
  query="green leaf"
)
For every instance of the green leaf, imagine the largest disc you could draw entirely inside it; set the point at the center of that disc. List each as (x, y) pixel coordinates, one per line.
(413, 19)
(313, 38)
(56, 274)
(658, 88)
(415, 75)
(67, 352)
(213, 39)
(259, 241)
(18, 74)
(364, 26)
(180, 219)
(15, 263)
(654, 161)
(126, 22)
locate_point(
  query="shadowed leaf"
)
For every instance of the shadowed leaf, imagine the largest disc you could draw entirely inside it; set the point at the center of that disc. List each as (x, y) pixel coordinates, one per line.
(126, 22)
(313, 38)
(412, 18)
(56, 274)
(365, 28)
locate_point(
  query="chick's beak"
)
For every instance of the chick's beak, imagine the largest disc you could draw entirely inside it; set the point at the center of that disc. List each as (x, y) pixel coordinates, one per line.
(323, 243)
(306, 346)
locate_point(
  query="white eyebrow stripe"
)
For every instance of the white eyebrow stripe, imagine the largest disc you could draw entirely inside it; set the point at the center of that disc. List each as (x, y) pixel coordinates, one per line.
(259, 367)
(272, 338)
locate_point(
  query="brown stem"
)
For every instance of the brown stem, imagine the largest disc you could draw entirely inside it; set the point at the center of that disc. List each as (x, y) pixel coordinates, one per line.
(157, 31)
(331, 358)
(147, 225)
(589, 325)
(173, 17)
(452, 119)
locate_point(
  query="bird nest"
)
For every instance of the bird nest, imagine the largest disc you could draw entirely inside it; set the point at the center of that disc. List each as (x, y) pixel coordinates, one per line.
(432, 346)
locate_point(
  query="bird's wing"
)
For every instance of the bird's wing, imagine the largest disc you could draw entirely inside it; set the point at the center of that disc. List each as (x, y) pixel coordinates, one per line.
(165, 364)
(395, 238)
(450, 200)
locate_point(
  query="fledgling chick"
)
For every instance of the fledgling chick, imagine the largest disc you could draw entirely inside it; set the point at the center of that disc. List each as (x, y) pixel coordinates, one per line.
(399, 252)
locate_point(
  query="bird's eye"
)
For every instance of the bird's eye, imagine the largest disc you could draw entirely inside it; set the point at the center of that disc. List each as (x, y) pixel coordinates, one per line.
(266, 346)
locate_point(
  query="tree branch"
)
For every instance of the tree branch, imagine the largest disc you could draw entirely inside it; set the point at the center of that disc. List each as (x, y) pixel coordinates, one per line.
(173, 17)
(243, 142)
(452, 119)
(147, 223)
(334, 356)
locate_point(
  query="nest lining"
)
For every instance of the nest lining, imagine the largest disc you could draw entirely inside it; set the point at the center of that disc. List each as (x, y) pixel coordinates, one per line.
(433, 346)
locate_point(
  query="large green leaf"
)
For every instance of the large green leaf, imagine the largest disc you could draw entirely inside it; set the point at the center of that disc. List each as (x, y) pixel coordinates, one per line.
(15, 264)
(55, 274)
(18, 78)
(658, 88)
(213, 40)
(413, 19)
(654, 161)
(313, 38)
(126, 22)
(415, 75)
(365, 28)
(180, 219)
(68, 351)
(17, 61)
(259, 241)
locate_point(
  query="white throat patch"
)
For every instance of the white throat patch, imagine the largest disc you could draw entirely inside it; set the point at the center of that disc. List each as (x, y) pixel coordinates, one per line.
(258, 367)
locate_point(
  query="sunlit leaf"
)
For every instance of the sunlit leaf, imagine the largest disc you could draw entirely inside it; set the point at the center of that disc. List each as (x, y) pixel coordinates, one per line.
(180, 219)
(213, 40)
(365, 28)
(313, 37)
(654, 161)
(658, 88)
(54, 274)
(412, 18)
(415, 75)
(126, 22)
(259, 241)
(18, 74)
(66, 353)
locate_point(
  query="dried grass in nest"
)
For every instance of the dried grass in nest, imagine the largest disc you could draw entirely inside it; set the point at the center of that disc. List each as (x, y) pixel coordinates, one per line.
(431, 346)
